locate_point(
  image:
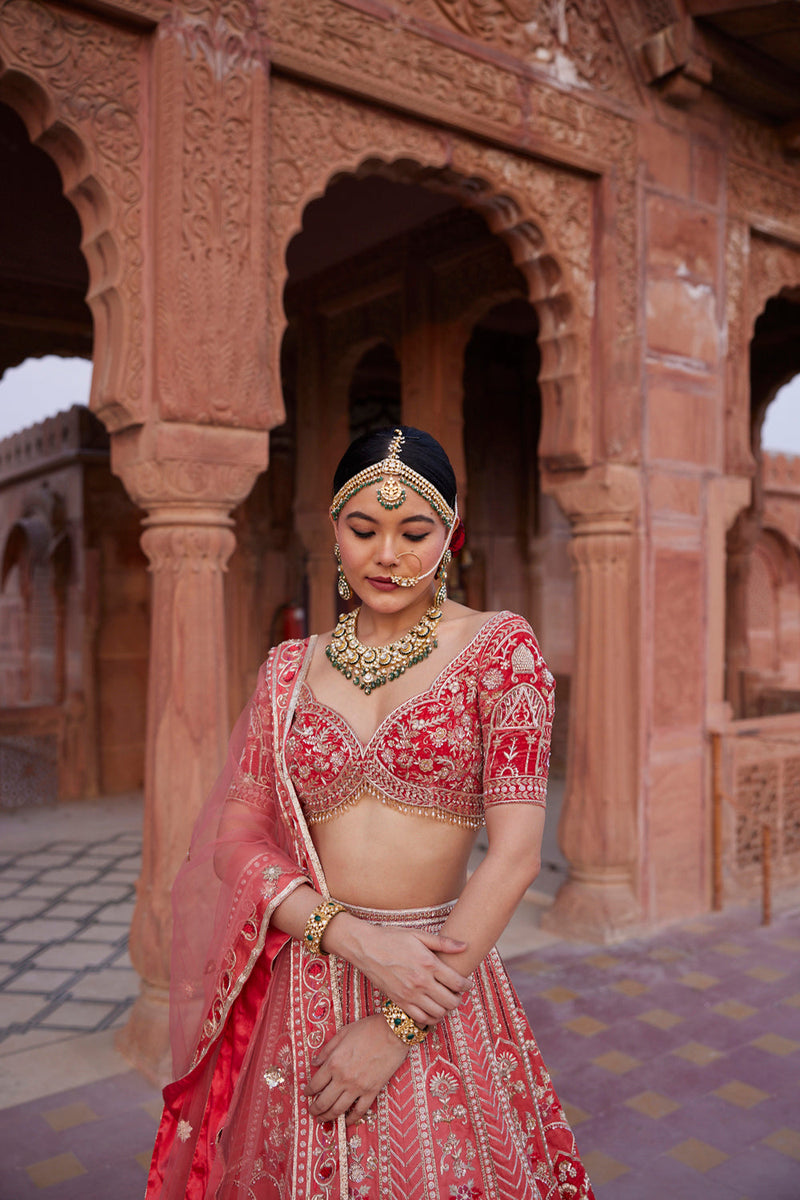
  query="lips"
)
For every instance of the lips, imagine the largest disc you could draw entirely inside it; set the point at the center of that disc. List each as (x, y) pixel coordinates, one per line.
(382, 582)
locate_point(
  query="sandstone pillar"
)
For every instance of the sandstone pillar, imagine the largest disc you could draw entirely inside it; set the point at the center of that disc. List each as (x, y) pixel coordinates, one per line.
(188, 480)
(187, 725)
(740, 542)
(201, 438)
(598, 823)
(728, 498)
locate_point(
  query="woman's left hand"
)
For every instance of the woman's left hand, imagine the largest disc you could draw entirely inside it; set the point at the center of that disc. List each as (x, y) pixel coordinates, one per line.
(352, 1068)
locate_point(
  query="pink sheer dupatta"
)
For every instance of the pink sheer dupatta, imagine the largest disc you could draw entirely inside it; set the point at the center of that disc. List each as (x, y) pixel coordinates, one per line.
(249, 850)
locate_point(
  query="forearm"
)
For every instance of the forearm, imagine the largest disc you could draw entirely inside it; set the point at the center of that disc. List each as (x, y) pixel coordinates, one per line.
(491, 895)
(344, 934)
(402, 963)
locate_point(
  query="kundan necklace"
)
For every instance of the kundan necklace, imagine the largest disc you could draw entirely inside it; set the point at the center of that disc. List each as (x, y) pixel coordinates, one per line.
(369, 667)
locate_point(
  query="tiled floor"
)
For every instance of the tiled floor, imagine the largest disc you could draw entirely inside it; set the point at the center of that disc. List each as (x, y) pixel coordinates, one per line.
(678, 1057)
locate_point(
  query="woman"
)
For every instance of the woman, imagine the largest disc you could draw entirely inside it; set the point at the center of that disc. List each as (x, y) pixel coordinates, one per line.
(370, 1047)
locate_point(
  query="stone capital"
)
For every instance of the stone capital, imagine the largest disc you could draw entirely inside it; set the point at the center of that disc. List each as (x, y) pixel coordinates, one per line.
(606, 499)
(180, 548)
(185, 474)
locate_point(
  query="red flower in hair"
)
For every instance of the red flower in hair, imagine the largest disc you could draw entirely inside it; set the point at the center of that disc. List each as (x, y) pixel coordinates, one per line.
(458, 538)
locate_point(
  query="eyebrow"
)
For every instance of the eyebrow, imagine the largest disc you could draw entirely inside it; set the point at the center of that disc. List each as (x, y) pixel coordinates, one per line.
(405, 520)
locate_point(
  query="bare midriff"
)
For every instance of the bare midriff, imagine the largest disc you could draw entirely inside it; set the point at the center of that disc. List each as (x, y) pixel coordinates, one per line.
(375, 856)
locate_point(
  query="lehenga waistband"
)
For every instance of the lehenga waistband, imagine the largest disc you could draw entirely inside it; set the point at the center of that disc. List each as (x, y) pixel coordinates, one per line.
(414, 918)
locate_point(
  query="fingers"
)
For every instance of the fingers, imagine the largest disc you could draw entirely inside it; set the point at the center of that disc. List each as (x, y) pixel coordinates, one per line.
(329, 1105)
(359, 1110)
(437, 1003)
(441, 943)
(452, 980)
(444, 972)
(423, 1016)
(330, 1102)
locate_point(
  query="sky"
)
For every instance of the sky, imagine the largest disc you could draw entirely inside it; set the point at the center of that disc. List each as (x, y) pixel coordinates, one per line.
(42, 387)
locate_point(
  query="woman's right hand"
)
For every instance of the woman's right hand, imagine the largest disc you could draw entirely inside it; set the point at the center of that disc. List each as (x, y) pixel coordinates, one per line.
(403, 965)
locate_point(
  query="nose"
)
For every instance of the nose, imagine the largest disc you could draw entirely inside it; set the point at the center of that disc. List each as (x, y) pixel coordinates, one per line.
(387, 555)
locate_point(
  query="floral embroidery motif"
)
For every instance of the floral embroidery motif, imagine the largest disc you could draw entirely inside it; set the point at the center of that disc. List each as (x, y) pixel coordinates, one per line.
(271, 875)
(443, 1087)
(507, 1066)
(184, 1131)
(476, 736)
(457, 1153)
(362, 1166)
(274, 1077)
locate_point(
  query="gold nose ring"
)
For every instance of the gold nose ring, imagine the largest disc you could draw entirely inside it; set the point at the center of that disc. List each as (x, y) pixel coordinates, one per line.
(407, 580)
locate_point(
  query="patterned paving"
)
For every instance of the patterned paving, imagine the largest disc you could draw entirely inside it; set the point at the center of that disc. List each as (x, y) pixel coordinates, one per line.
(678, 1057)
(65, 910)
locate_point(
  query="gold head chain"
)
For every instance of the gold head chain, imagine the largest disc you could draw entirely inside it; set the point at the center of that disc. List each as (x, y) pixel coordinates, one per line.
(392, 474)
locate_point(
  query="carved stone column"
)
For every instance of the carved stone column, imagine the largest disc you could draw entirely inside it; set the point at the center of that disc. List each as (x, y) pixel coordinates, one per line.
(740, 542)
(188, 479)
(186, 730)
(598, 823)
(200, 439)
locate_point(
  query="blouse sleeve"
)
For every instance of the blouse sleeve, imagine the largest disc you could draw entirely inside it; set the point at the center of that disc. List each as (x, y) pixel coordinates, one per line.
(516, 696)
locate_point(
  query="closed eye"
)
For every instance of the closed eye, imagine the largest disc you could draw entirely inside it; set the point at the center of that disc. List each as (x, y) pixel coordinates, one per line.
(415, 537)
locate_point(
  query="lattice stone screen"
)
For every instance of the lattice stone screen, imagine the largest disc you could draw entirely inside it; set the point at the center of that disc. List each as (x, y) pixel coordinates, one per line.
(760, 779)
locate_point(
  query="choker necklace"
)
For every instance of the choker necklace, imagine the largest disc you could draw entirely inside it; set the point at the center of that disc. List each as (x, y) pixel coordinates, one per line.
(369, 667)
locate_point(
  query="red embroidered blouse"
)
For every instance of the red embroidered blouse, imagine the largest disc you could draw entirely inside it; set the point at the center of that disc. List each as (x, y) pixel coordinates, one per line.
(479, 735)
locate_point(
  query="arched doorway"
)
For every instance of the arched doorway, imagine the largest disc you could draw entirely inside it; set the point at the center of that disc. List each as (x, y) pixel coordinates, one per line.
(73, 684)
(774, 361)
(382, 334)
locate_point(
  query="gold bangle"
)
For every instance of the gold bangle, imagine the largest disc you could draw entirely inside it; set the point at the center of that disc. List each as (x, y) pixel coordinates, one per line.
(317, 923)
(402, 1025)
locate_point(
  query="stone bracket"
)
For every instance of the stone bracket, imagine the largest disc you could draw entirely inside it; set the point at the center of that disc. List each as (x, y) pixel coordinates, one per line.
(675, 60)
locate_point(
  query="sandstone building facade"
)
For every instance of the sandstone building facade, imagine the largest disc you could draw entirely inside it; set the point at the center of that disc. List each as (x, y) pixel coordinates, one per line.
(564, 237)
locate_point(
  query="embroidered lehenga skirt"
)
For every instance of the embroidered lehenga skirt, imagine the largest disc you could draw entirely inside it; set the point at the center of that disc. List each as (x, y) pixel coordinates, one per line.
(470, 1115)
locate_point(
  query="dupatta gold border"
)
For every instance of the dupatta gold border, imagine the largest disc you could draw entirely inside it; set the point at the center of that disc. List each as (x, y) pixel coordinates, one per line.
(281, 724)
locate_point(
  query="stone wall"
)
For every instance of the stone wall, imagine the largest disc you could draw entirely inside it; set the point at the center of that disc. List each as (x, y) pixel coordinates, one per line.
(74, 612)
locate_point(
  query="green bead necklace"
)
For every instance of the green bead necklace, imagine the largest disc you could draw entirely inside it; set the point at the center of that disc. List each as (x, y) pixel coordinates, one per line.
(369, 667)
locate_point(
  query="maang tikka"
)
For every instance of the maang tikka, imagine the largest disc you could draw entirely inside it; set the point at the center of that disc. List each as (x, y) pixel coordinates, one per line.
(393, 477)
(342, 586)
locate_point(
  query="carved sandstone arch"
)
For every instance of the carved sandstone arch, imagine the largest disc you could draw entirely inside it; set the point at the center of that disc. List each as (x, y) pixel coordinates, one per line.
(76, 83)
(316, 136)
(770, 267)
(762, 260)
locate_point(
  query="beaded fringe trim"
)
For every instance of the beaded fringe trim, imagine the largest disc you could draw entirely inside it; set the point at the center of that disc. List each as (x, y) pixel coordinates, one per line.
(433, 814)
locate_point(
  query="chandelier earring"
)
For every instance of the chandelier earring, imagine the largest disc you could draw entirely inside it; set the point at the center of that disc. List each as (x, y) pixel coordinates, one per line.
(342, 586)
(441, 575)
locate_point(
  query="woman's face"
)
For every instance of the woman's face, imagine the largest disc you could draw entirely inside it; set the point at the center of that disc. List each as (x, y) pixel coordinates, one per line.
(376, 543)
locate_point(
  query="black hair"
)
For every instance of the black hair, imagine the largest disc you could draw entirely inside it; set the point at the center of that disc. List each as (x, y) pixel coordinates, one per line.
(419, 451)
